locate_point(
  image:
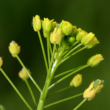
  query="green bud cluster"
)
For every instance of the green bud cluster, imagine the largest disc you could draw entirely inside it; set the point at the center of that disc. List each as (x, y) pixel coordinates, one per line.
(64, 33)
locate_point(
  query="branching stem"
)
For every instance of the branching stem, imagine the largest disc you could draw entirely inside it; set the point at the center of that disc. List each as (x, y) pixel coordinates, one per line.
(14, 87)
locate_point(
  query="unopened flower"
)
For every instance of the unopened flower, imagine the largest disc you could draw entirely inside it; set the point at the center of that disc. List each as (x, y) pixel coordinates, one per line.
(95, 60)
(56, 36)
(66, 27)
(74, 31)
(89, 94)
(14, 48)
(94, 88)
(36, 23)
(1, 61)
(89, 40)
(23, 74)
(47, 24)
(46, 34)
(76, 81)
(54, 24)
(80, 35)
(71, 40)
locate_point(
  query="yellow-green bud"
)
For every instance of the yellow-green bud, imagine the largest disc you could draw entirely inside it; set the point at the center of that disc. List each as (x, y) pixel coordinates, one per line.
(80, 35)
(66, 27)
(71, 40)
(54, 24)
(99, 87)
(23, 74)
(94, 87)
(36, 23)
(1, 61)
(47, 24)
(46, 34)
(76, 81)
(74, 31)
(91, 85)
(92, 43)
(89, 94)
(89, 40)
(56, 36)
(95, 60)
(14, 48)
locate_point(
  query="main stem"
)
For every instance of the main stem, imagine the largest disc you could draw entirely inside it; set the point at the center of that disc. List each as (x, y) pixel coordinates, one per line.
(49, 78)
(46, 86)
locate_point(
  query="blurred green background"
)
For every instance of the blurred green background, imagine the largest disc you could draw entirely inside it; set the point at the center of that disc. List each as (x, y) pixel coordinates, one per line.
(16, 24)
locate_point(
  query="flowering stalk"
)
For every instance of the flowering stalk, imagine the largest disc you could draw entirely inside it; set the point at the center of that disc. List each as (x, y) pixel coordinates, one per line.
(48, 82)
(63, 100)
(14, 87)
(81, 103)
(28, 73)
(67, 40)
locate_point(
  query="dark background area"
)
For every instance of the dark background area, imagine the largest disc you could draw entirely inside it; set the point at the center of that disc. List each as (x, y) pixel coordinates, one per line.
(16, 24)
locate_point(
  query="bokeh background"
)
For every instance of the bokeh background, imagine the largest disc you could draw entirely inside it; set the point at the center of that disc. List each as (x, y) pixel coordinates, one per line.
(16, 24)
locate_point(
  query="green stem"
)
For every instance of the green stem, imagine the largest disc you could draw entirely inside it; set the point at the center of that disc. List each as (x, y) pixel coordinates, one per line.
(48, 51)
(28, 73)
(72, 50)
(63, 73)
(82, 67)
(30, 90)
(54, 103)
(43, 51)
(49, 78)
(50, 47)
(72, 54)
(80, 104)
(59, 91)
(14, 87)
(70, 47)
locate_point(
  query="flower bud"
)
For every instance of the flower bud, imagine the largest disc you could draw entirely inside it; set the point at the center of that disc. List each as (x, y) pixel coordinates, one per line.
(89, 94)
(80, 35)
(92, 43)
(76, 81)
(66, 27)
(54, 24)
(56, 36)
(1, 62)
(71, 40)
(89, 40)
(74, 31)
(14, 48)
(23, 74)
(95, 60)
(94, 87)
(47, 24)
(36, 23)
(99, 87)
(46, 34)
